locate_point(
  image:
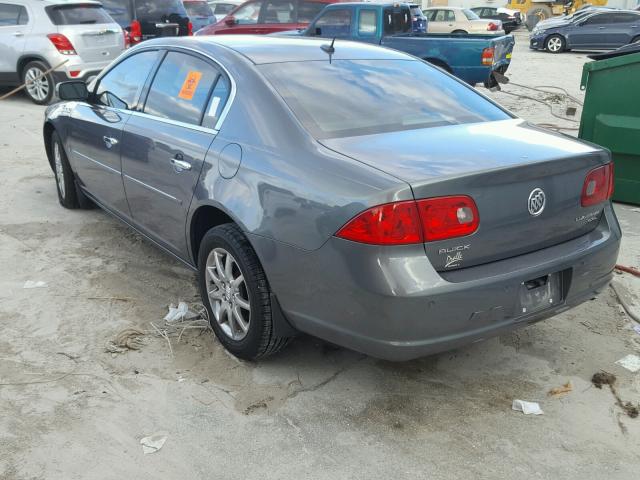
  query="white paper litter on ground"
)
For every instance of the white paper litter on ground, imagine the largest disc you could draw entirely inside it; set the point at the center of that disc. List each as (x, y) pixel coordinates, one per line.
(630, 362)
(636, 328)
(528, 408)
(153, 443)
(177, 313)
(34, 284)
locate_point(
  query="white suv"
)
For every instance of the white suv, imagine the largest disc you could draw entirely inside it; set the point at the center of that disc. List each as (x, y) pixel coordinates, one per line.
(36, 35)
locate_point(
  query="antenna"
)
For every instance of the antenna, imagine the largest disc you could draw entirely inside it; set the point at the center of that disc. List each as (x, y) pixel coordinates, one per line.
(329, 48)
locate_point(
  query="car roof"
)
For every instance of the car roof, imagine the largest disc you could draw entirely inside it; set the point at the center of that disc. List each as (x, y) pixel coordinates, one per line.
(262, 49)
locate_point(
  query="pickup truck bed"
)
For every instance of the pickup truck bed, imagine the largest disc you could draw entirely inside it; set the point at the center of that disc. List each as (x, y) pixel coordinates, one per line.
(461, 55)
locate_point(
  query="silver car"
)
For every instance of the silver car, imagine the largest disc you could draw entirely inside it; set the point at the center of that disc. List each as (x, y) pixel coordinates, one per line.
(77, 39)
(312, 194)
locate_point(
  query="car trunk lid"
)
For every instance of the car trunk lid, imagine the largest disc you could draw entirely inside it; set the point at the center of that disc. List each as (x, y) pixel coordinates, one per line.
(501, 165)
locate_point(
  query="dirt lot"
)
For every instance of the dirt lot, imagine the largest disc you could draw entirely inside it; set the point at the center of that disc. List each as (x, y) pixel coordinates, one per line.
(71, 410)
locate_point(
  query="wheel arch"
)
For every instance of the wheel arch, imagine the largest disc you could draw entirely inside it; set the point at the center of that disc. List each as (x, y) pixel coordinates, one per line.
(25, 59)
(204, 218)
(438, 62)
(47, 133)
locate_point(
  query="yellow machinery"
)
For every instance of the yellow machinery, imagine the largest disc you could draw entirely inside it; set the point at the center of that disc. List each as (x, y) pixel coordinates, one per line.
(536, 10)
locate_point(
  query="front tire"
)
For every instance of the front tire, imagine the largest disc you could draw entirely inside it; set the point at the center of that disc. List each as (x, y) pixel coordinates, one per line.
(40, 88)
(236, 294)
(555, 44)
(65, 180)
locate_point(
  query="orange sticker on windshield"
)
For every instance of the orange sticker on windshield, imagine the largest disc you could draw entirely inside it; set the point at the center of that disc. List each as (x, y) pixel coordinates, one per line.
(190, 84)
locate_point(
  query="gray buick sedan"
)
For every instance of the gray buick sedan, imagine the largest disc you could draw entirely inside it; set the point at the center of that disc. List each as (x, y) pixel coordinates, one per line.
(348, 191)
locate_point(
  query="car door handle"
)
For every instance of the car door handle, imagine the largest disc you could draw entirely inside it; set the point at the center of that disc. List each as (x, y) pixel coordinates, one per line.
(601, 28)
(18, 34)
(179, 165)
(110, 141)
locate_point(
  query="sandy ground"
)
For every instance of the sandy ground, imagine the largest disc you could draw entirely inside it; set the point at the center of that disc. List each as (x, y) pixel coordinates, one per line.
(70, 410)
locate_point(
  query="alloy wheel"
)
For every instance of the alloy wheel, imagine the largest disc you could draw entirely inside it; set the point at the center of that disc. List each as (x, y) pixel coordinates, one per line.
(554, 44)
(57, 158)
(37, 85)
(228, 294)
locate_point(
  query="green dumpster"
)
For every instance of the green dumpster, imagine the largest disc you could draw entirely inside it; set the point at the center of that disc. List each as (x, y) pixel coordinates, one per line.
(611, 116)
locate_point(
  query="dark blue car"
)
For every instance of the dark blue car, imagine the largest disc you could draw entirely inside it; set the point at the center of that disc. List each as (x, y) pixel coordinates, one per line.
(604, 30)
(419, 20)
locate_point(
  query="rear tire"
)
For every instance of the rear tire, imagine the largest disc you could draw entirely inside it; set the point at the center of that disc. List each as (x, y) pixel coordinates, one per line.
(65, 180)
(236, 294)
(460, 32)
(40, 88)
(555, 44)
(439, 63)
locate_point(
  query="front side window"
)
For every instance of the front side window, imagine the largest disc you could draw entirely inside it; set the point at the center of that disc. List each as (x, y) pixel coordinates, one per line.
(279, 11)
(120, 87)
(10, 14)
(248, 14)
(181, 88)
(599, 20)
(334, 23)
(343, 98)
(78, 15)
(307, 10)
(368, 22)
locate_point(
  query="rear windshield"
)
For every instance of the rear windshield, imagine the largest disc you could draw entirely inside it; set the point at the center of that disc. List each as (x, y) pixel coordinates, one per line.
(416, 12)
(159, 10)
(360, 97)
(78, 15)
(198, 9)
(119, 10)
(470, 15)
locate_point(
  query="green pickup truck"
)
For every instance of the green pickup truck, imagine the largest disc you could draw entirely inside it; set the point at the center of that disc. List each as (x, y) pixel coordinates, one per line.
(472, 58)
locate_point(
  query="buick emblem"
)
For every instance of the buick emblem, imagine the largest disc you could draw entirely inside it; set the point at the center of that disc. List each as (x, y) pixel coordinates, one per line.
(537, 201)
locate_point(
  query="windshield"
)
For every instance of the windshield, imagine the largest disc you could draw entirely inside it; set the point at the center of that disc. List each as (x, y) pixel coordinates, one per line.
(198, 9)
(417, 12)
(159, 10)
(78, 15)
(470, 15)
(361, 97)
(119, 10)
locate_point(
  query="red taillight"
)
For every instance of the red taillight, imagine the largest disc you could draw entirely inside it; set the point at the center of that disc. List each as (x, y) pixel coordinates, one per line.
(410, 222)
(492, 27)
(598, 186)
(62, 44)
(135, 32)
(390, 224)
(448, 217)
(488, 56)
(189, 28)
(74, 73)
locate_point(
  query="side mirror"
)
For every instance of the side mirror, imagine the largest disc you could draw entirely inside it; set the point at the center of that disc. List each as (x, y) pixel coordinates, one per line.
(74, 90)
(230, 21)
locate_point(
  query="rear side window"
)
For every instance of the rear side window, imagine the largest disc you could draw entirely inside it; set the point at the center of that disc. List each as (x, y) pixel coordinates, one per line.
(307, 11)
(218, 100)
(78, 15)
(334, 23)
(160, 10)
(368, 22)
(343, 98)
(470, 15)
(120, 87)
(181, 88)
(119, 10)
(625, 18)
(198, 9)
(12, 15)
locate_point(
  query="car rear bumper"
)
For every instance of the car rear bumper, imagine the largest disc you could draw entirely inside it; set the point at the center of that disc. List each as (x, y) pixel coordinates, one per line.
(77, 70)
(389, 302)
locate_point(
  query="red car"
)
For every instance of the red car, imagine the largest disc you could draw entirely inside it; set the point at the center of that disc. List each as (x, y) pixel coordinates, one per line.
(268, 16)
